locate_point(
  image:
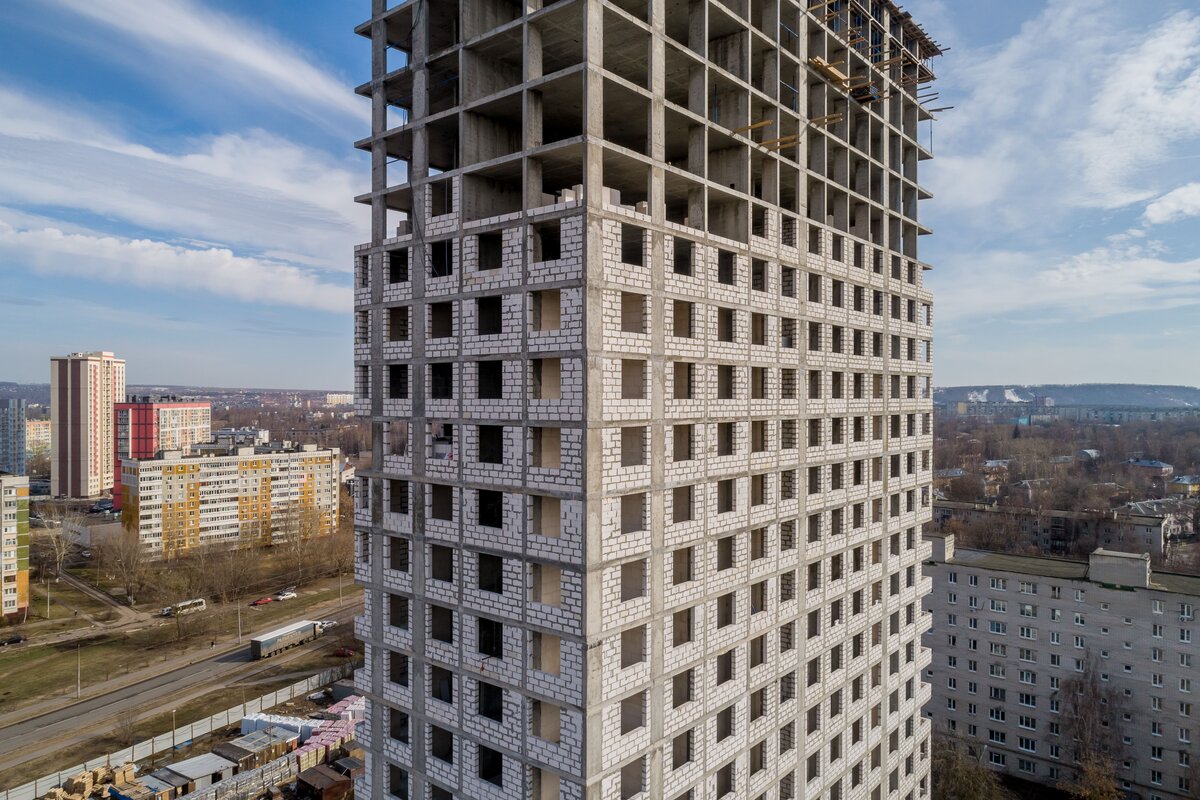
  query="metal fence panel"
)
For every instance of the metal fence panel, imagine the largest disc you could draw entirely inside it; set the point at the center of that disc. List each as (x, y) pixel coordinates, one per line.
(146, 749)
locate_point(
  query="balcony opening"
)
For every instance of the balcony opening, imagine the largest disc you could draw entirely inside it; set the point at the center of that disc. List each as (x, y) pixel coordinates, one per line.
(547, 721)
(491, 444)
(726, 438)
(491, 508)
(441, 684)
(726, 325)
(441, 744)
(441, 623)
(491, 765)
(398, 324)
(633, 713)
(547, 240)
(633, 513)
(490, 635)
(547, 315)
(683, 383)
(441, 504)
(441, 320)
(441, 563)
(632, 245)
(683, 442)
(489, 316)
(491, 701)
(633, 580)
(633, 312)
(398, 266)
(441, 380)
(546, 584)
(491, 251)
(684, 255)
(491, 573)
(682, 319)
(726, 268)
(633, 446)
(725, 382)
(397, 381)
(633, 646)
(441, 259)
(547, 447)
(547, 516)
(633, 379)
(758, 275)
(726, 496)
(547, 653)
(490, 378)
(547, 378)
(681, 504)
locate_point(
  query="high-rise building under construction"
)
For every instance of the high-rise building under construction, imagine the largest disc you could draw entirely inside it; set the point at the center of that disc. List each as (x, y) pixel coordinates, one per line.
(644, 340)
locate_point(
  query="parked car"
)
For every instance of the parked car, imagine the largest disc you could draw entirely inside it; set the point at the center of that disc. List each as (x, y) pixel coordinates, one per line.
(326, 624)
(262, 601)
(286, 595)
(345, 652)
(18, 639)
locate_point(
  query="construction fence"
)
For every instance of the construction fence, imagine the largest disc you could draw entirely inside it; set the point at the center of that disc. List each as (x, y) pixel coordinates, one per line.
(181, 735)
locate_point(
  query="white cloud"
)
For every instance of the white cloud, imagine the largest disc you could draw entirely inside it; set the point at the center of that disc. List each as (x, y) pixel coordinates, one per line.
(232, 49)
(1174, 205)
(144, 262)
(1080, 109)
(253, 190)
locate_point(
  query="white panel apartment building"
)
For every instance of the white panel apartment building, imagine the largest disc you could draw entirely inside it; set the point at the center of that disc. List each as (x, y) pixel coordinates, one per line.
(231, 496)
(644, 340)
(1009, 631)
(83, 390)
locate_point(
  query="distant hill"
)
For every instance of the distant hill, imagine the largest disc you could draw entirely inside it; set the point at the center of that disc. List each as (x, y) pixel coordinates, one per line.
(1081, 394)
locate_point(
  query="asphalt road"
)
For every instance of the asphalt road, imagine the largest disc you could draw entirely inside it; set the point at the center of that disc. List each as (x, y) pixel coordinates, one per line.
(88, 718)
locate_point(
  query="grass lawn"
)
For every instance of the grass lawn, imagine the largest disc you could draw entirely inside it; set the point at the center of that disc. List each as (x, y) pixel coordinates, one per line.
(33, 673)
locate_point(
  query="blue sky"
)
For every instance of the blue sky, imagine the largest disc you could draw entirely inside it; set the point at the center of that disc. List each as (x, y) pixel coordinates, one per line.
(176, 183)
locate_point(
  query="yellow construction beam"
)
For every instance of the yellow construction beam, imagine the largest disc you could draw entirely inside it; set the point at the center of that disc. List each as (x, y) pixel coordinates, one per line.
(754, 126)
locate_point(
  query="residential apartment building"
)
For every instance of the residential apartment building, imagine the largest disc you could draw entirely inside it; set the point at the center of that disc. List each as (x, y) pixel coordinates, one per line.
(1010, 631)
(1149, 526)
(13, 444)
(14, 546)
(339, 399)
(230, 437)
(37, 437)
(84, 390)
(146, 426)
(643, 337)
(241, 495)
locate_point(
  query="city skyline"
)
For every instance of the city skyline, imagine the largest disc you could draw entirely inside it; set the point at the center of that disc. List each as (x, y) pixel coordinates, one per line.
(1066, 264)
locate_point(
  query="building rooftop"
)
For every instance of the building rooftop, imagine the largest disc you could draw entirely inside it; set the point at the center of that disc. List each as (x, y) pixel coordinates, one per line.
(1152, 463)
(1066, 569)
(201, 766)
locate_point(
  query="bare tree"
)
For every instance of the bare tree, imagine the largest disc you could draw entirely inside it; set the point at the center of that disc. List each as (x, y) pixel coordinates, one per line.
(125, 726)
(52, 545)
(958, 772)
(1089, 705)
(125, 556)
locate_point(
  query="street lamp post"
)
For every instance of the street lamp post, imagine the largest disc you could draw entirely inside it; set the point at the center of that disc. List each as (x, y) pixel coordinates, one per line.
(78, 672)
(239, 610)
(173, 745)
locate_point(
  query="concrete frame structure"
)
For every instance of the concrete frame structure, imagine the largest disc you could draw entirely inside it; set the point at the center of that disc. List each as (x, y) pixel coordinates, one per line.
(13, 445)
(231, 496)
(644, 342)
(1009, 631)
(84, 389)
(14, 546)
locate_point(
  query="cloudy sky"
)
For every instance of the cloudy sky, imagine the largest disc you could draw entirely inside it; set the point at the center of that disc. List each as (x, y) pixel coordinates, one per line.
(176, 183)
